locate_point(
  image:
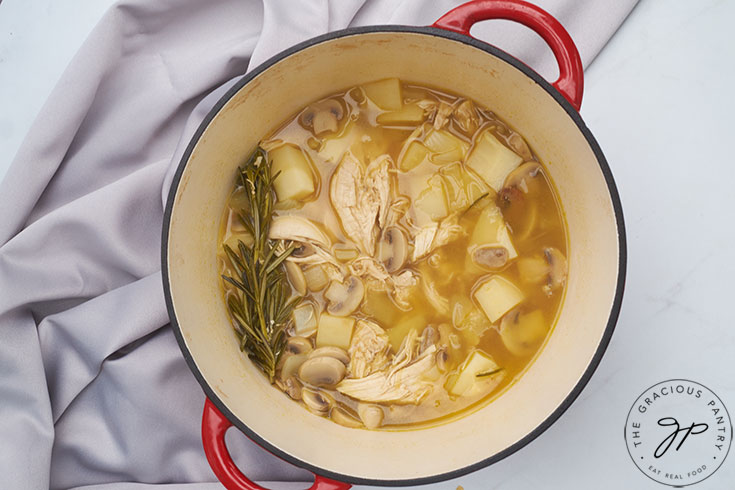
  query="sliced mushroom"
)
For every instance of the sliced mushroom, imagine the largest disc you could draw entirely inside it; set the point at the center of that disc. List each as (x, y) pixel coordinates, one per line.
(518, 178)
(298, 345)
(549, 268)
(344, 297)
(303, 250)
(317, 402)
(442, 360)
(296, 278)
(371, 415)
(292, 388)
(331, 351)
(291, 365)
(343, 417)
(490, 257)
(522, 331)
(322, 117)
(557, 267)
(393, 249)
(322, 371)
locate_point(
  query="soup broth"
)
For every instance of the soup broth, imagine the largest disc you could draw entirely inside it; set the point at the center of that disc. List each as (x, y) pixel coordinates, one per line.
(429, 255)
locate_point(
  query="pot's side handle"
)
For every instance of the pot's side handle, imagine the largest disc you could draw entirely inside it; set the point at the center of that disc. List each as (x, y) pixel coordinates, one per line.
(214, 427)
(571, 75)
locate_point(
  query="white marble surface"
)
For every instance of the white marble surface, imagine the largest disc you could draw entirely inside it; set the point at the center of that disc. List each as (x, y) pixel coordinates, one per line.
(659, 100)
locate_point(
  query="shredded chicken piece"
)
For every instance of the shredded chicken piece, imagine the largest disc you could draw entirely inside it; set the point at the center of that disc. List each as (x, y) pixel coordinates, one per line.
(397, 210)
(360, 198)
(439, 302)
(436, 235)
(403, 283)
(442, 115)
(406, 384)
(369, 267)
(466, 116)
(448, 231)
(407, 352)
(368, 349)
(423, 240)
(298, 229)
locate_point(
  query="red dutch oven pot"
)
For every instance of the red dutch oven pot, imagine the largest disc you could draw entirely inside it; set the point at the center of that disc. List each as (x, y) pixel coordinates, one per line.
(443, 55)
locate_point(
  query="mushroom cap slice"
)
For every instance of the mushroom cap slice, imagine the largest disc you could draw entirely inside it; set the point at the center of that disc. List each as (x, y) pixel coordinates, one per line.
(298, 345)
(323, 116)
(296, 277)
(491, 257)
(371, 415)
(393, 249)
(292, 388)
(517, 178)
(322, 371)
(557, 267)
(343, 417)
(522, 331)
(316, 401)
(344, 297)
(331, 351)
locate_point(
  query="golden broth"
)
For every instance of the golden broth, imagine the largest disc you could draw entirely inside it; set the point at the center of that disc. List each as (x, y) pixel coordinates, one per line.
(448, 278)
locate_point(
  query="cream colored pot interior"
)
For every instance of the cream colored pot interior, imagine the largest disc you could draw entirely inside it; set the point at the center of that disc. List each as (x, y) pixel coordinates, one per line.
(273, 96)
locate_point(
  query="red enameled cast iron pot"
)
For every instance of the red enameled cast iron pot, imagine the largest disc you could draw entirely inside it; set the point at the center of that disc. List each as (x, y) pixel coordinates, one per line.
(443, 55)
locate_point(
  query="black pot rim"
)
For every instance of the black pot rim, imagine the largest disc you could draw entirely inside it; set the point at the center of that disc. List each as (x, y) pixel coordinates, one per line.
(614, 197)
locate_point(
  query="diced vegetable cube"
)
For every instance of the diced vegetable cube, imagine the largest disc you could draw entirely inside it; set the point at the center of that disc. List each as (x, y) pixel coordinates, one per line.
(491, 230)
(492, 160)
(496, 296)
(445, 147)
(316, 277)
(296, 178)
(414, 154)
(410, 114)
(304, 320)
(385, 93)
(406, 324)
(334, 331)
(477, 363)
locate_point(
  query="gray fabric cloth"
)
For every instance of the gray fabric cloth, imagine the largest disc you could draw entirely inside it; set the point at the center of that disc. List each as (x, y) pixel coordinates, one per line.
(93, 388)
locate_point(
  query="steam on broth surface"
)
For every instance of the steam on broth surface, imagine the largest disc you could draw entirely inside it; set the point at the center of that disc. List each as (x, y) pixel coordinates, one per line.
(429, 254)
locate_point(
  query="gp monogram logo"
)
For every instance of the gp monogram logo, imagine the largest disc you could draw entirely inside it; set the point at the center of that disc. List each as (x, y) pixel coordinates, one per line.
(678, 432)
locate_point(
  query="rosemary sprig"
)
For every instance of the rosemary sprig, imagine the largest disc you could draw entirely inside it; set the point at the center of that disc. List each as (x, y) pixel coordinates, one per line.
(261, 310)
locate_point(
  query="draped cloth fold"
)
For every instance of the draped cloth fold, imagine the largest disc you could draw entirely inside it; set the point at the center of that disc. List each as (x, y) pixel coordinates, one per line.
(94, 392)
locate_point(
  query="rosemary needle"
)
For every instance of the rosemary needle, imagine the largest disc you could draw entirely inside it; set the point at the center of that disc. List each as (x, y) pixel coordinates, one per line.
(261, 311)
